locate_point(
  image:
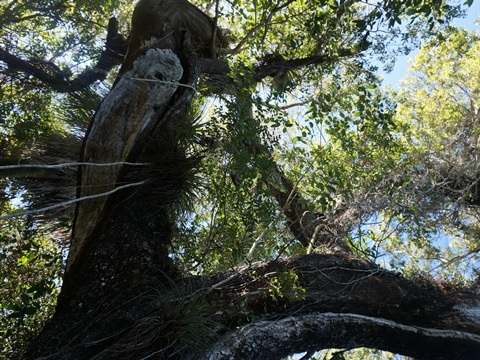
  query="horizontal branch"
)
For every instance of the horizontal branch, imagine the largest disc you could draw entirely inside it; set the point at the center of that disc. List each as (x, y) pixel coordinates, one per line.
(336, 283)
(273, 64)
(279, 338)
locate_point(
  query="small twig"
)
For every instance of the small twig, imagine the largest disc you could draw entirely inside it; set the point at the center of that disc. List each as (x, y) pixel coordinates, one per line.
(312, 240)
(259, 238)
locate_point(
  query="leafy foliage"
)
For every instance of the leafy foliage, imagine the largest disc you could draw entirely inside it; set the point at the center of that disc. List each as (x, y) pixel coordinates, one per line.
(30, 272)
(61, 38)
(394, 174)
(438, 195)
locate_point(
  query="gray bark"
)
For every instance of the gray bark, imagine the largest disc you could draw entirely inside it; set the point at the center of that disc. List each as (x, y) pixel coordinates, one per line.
(279, 338)
(119, 132)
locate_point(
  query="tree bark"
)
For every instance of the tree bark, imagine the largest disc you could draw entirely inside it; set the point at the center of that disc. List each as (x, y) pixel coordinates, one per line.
(123, 296)
(119, 133)
(296, 334)
(120, 242)
(335, 302)
(55, 78)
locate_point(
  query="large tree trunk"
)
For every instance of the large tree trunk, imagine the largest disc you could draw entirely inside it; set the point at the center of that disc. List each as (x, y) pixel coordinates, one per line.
(123, 297)
(122, 227)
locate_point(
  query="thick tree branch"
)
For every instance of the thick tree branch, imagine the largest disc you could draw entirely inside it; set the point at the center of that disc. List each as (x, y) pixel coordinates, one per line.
(312, 229)
(279, 338)
(367, 306)
(334, 302)
(273, 64)
(58, 80)
(339, 284)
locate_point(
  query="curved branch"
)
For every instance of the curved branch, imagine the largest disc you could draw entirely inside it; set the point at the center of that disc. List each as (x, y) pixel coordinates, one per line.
(52, 76)
(262, 23)
(279, 338)
(345, 304)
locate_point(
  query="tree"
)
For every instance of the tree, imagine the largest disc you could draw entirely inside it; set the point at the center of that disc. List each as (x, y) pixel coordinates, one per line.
(273, 256)
(439, 107)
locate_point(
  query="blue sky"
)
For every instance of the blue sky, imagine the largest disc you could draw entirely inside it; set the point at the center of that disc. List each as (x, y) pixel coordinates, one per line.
(401, 65)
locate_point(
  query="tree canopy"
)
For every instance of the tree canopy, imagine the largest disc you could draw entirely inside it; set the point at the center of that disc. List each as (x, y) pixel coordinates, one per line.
(230, 180)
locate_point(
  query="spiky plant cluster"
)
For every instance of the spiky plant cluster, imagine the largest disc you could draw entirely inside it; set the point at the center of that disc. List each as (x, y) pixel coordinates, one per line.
(181, 327)
(170, 175)
(43, 187)
(173, 159)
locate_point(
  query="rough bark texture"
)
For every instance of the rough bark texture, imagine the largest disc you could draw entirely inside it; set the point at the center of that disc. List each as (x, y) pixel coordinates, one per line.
(167, 22)
(119, 132)
(124, 298)
(113, 262)
(280, 338)
(348, 304)
(336, 302)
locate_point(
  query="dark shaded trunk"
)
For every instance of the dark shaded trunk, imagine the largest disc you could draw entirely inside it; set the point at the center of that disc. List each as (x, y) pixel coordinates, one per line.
(124, 298)
(334, 302)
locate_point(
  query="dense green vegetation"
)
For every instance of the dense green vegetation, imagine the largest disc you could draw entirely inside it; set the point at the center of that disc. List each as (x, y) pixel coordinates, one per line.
(303, 129)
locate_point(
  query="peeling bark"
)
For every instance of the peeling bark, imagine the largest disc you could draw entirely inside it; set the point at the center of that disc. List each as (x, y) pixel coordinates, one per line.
(121, 285)
(119, 132)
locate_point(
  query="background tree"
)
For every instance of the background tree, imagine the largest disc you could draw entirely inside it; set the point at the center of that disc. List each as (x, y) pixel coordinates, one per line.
(439, 107)
(190, 225)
